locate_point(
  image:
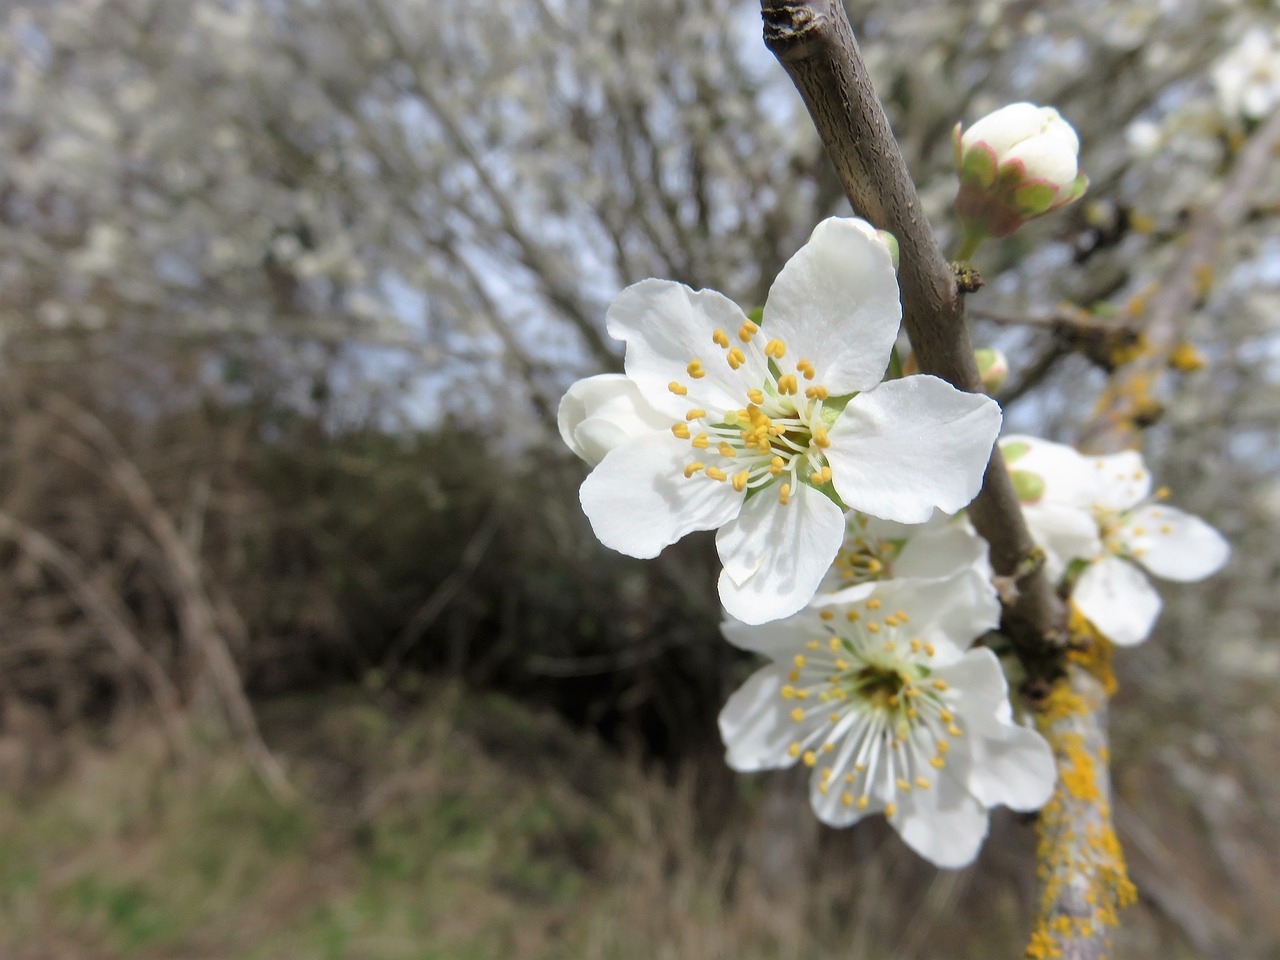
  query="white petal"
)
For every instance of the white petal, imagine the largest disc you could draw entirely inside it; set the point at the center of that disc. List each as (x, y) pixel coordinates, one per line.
(911, 445)
(1065, 532)
(778, 639)
(939, 548)
(1050, 156)
(835, 303)
(755, 725)
(1120, 480)
(599, 413)
(943, 823)
(956, 609)
(665, 326)
(638, 499)
(1002, 128)
(1174, 545)
(980, 695)
(774, 555)
(1016, 770)
(1067, 474)
(1118, 599)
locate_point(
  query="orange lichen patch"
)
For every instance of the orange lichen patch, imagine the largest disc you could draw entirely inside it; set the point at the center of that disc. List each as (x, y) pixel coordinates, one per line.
(1204, 281)
(1091, 650)
(1077, 841)
(1185, 358)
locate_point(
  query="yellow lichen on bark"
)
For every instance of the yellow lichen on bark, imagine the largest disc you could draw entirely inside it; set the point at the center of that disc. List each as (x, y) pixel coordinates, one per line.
(1081, 866)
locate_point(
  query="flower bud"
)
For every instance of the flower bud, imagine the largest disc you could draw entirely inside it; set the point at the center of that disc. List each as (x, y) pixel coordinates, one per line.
(1015, 164)
(993, 367)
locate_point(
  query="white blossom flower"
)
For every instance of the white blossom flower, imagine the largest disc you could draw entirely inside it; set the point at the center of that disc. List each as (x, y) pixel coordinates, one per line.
(1017, 163)
(876, 550)
(877, 695)
(1101, 510)
(770, 432)
(1247, 78)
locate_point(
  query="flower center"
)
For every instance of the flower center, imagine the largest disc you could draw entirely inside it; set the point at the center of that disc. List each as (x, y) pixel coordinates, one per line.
(778, 435)
(882, 724)
(865, 558)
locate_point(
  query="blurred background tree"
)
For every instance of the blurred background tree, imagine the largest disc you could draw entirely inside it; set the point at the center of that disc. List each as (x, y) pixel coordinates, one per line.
(289, 290)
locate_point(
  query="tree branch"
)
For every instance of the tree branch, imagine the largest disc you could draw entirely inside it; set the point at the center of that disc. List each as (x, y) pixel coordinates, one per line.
(814, 42)
(1083, 885)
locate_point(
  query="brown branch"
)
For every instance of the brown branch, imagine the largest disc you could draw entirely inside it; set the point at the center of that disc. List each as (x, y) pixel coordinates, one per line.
(814, 42)
(197, 613)
(1130, 403)
(106, 612)
(1081, 891)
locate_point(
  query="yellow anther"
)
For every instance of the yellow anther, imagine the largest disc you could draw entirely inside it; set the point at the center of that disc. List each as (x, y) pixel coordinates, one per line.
(940, 685)
(775, 348)
(788, 384)
(755, 396)
(832, 718)
(776, 465)
(814, 645)
(747, 331)
(701, 441)
(1139, 531)
(903, 785)
(901, 616)
(842, 665)
(891, 621)
(695, 370)
(828, 615)
(784, 495)
(715, 473)
(805, 367)
(859, 768)
(799, 660)
(915, 644)
(797, 714)
(736, 358)
(1166, 528)
(740, 480)
(810, 758)
(873, 627)
(817, 478)
(680, 430)
(787, 692)
(693, 468)
(937, 763)
(825, 774)
(834, 642)
(890, 809)
(853, 616)
(697, 413)
(678, 389)
(725, 450)
(794, 750)
(763, 446)
(720, 338)
(820, 437)
(943, 746)
(816, 393)
(847, 799)
(874, 603)
(802, 694)
(923, 784)
(1162, 493)
(955, 731)
(863, 802)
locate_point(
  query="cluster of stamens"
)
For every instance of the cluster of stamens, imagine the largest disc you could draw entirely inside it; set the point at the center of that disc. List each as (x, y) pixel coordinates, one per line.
(777, 436)
(882, 719)
(1113, 525)
(864, 558)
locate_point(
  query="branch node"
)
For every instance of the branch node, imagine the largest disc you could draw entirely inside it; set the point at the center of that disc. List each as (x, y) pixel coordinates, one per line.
(968, 277)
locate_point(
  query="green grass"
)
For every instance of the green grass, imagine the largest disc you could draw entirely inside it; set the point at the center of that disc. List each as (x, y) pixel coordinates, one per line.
(467, 828)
